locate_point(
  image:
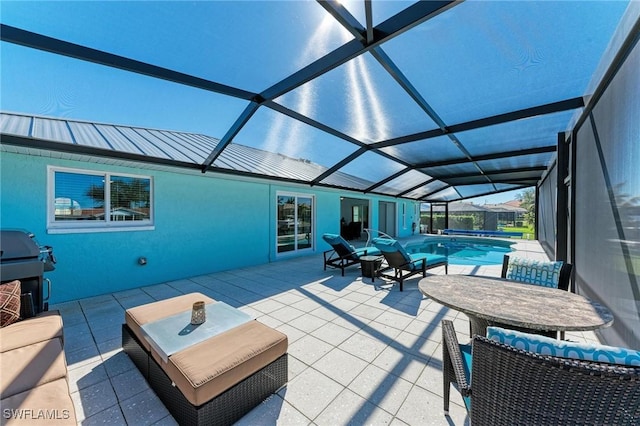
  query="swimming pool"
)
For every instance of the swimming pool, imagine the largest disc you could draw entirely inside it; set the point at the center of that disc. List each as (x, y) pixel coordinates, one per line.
(465, 250)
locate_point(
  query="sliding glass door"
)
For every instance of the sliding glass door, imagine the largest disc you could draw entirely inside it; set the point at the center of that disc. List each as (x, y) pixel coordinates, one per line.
(295, 213)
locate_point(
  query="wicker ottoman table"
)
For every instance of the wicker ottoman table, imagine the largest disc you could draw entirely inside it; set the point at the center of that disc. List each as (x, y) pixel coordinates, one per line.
(215, 381)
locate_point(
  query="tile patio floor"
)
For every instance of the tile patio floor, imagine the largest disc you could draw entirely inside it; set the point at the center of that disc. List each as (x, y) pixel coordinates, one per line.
(359, 353)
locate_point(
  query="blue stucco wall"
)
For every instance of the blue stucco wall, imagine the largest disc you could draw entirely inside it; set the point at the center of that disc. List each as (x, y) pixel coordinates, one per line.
(203, 224)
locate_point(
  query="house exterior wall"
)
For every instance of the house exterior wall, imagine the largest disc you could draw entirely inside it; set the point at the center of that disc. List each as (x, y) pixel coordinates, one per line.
(203, 224)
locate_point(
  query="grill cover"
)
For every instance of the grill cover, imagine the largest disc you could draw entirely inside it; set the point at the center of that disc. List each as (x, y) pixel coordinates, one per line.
(16, 245)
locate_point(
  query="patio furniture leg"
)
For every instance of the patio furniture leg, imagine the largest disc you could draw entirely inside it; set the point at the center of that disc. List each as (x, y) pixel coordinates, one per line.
(446, 382)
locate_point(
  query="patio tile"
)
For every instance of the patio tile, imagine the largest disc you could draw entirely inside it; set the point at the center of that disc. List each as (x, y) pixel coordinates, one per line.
(288, 298)
(307, 305)
(268, 305)
(333, 334)
(381, 388)
(86, 375)
(400, 363)
(254, 313)
(381, 332)
(70, 318)
(110, 416)
(350, 408)
(358, 297)
(137, 300)
(106, 319)
(270, 321)
(348, 322)
(161, 291)
(328, 313)
(99, 312)
(108, 331)
(363, 346)
(327, 298)
(340, 366)
(311, 392)
(67, 307)
(415, 345)
(286, 314)
(295, 367)
(421, 408)
(394, 319)
(82, 356)
(125, 294)
(440, 312)
(276, 411)
(423, 329)
(292, 333)
(108, 346)
(367, 312)
(143, 409)
(166, 421)
(117, 362)
(431, 377)
(129, 384)
(307, 323)
(309, 349)
(93, 399)
(96, 301)
(78, 337)
(344, 305)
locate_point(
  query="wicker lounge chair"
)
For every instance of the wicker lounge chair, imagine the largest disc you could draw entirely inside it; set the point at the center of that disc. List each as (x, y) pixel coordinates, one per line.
(344, 254)
(405, 265)
(502, 385)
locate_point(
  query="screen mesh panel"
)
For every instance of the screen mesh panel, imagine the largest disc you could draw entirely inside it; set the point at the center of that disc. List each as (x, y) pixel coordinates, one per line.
(607, 184)
(546, 219)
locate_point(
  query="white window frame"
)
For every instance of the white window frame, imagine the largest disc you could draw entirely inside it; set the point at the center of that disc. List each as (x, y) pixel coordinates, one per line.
(404, 215)
(106, 225)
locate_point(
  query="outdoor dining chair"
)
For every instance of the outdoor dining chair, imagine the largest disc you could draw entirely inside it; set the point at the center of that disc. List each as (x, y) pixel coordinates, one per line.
(510, 377)
(556, 274)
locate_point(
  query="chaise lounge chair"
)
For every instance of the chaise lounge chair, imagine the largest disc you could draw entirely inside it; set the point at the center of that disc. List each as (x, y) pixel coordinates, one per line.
(405, 265)
(344, 254)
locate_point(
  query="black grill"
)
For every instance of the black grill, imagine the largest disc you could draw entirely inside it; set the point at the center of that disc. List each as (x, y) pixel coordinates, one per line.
(23, 259)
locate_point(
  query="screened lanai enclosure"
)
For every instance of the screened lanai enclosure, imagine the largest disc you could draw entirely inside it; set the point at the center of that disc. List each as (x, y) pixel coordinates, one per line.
(429, 101)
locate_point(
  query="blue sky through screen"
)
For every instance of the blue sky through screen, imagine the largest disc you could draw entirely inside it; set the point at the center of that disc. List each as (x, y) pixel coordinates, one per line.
(252, 45)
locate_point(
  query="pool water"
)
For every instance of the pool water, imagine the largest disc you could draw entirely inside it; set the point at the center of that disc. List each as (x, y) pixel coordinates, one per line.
(465, 250)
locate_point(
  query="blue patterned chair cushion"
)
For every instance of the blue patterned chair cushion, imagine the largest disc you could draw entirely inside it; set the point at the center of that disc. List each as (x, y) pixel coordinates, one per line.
(563, 349)
(535, 272)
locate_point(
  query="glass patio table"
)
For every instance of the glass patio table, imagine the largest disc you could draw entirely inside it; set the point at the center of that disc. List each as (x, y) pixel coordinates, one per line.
(174, 333)
(491, 301)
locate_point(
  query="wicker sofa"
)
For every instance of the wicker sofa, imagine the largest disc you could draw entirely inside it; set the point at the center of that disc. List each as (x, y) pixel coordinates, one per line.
(509, 386)
(33, 372)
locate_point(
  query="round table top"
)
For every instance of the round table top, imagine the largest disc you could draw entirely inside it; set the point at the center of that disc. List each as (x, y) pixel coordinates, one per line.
(518, 304)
